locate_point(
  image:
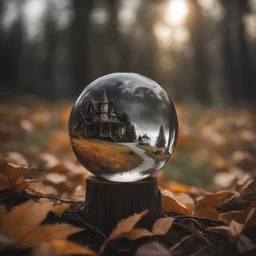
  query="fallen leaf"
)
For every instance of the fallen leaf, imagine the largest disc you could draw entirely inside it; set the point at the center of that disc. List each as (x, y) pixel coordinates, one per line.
(11, 175)
(249, 191)
(187, 200)
(47, 233)
(25, 218)
(217, 199)
(38, 188)
(171, 204)
(123, 227)
(162, 226)
(152, 249)
(60, 209)
(64, 247)
(137, 233)
(245, 244)
(210, 213)
(238, 216)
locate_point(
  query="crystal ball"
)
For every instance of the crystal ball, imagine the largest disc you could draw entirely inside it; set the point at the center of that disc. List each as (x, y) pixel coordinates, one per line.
(123, 127)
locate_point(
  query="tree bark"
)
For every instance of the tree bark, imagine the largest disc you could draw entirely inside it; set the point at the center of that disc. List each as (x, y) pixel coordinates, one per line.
(109, 202)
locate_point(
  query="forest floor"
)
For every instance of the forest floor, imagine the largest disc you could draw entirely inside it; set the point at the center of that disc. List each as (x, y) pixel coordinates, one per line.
(207, 188)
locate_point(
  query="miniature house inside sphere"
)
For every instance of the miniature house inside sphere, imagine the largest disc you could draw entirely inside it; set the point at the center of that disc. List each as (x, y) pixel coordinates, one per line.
(123, 127)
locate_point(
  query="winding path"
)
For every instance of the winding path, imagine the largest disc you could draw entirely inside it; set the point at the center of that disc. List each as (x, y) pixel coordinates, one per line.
(138, 173)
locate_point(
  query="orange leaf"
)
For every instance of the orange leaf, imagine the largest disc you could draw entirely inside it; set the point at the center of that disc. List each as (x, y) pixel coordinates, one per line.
(60, 209)
(124, 226)
(64, 247)
(171, 204)
(210, 213)
(25, 218)
(11, 175)
(217, 199)
(187, 200)
(47, 233)
(162, 226)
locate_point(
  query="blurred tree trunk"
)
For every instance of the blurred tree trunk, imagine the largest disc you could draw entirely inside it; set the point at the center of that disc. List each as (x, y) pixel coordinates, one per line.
(50, 41)
(121, 47)
(196, 25)
(11, 49)
(235, 50)
(145, 57)
(80, 42)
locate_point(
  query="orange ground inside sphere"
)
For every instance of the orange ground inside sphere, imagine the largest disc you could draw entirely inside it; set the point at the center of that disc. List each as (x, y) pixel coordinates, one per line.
(101, 157)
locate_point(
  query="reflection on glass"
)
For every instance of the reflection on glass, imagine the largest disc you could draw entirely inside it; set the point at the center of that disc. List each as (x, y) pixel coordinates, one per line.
(123, 127)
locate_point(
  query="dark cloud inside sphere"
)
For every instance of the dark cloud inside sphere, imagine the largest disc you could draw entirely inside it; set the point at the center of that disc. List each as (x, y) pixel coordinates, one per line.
(146, 103)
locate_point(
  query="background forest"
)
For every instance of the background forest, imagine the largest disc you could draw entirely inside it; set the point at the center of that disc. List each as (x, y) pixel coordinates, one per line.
(203, 52)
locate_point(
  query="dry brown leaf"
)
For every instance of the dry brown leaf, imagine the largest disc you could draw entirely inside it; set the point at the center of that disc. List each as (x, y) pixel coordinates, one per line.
(249, 191)
(126, 225)
(152, 249)
(210, 213)
(137, 233)
(123, 227)
(11, 175)
(245, 244)
(250, 221)
(238, 216)
(162, 226)
(187, 200)
(171, 204)
(64, 247)
(59, 168)
(25, 218)
(47, 233)
(60, 209)
(38, 188)
(217, 199)
(222, 230)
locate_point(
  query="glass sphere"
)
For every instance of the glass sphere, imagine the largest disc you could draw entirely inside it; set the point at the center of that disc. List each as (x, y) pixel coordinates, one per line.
(123, 127)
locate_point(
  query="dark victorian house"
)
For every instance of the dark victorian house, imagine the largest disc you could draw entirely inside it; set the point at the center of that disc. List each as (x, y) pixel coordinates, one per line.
(101, 120)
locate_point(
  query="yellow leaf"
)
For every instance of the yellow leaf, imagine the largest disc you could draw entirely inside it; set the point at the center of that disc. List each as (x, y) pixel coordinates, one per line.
(171, 204)
(47, 233)
(64, 247)
(162, 226)
(60, 209)
(25, 218)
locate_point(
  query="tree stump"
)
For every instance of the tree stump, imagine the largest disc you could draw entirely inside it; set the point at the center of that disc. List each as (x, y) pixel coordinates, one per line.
(109, 202)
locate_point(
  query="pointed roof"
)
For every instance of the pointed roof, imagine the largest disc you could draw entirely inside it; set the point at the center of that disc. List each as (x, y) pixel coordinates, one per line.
(104, 98)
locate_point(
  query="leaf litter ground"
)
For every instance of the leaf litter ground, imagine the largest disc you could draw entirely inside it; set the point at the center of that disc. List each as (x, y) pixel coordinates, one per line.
(41, 213)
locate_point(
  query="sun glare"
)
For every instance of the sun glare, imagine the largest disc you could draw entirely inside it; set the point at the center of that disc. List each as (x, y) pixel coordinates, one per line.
(176, 12)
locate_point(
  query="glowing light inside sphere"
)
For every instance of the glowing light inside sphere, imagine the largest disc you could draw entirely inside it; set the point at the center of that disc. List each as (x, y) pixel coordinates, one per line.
(123, 127)
(176, 12)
